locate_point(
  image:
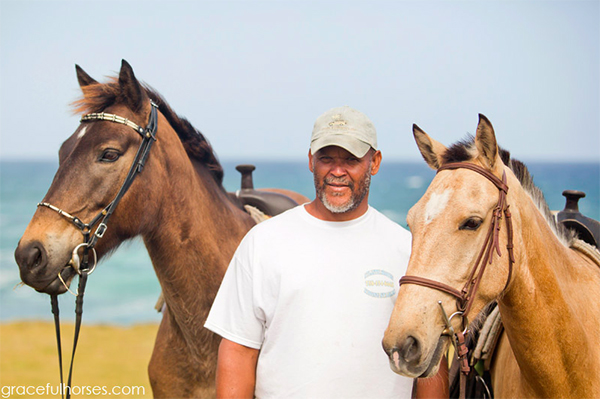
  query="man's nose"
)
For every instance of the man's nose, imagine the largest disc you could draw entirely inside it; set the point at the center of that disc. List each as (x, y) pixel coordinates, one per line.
(338, 169)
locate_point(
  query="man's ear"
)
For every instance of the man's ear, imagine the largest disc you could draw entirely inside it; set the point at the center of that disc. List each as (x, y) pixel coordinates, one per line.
(375, 162)
(310, 161)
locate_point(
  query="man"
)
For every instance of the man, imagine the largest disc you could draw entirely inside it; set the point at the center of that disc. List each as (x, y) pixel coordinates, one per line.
(308, 293)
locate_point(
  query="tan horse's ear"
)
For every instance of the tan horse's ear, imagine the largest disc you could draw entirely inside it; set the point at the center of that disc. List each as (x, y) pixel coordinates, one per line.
(431, 150)
(134, 95)
(485, 141)
(83, 78)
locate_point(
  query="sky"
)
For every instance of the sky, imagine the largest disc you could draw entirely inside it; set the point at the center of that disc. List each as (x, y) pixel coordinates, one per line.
(253, 76)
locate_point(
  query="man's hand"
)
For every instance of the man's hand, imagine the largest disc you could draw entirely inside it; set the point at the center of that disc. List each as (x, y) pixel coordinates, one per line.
(435, 387)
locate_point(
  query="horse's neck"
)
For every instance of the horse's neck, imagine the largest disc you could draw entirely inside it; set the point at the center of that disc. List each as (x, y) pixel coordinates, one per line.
(547, 311)
(194, 238)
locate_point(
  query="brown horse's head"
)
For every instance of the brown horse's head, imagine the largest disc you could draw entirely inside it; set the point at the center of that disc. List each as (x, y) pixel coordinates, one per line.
(93, 164)
(449, 225)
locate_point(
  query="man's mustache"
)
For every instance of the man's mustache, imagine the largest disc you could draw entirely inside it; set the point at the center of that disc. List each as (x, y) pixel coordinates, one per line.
(338, 181)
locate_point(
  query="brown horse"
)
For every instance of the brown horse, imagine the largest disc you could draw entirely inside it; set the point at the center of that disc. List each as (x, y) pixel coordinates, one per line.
(177, 204)
(548, 297)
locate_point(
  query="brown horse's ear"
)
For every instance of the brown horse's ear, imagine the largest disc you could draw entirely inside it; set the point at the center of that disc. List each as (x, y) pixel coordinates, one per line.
(134, 95)
(485, 140)
(431, 150)
(83, 78)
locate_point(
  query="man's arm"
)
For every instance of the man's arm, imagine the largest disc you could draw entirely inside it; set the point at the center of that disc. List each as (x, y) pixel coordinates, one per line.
(236, 370)
(435, 387)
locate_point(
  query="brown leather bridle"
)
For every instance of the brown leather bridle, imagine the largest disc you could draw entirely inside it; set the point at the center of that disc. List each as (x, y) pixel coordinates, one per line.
(465, 297)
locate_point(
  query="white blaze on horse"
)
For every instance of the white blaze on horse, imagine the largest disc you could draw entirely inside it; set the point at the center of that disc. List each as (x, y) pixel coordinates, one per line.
(549, 297)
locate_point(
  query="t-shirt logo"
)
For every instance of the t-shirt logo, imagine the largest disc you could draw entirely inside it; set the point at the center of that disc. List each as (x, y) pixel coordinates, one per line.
(379, 284)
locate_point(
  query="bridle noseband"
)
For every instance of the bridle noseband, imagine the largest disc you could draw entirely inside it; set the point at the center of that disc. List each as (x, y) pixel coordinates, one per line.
(466, 295)
(82, 266)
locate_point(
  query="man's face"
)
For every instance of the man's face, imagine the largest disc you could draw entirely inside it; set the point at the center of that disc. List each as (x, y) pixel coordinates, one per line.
(341, 179)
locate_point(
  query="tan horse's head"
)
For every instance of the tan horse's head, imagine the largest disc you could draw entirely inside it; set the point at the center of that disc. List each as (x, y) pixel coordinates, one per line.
(449, 225)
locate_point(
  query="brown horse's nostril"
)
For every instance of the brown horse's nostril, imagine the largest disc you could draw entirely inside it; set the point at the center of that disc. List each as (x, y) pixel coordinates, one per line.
(31, 256)
(410, 350)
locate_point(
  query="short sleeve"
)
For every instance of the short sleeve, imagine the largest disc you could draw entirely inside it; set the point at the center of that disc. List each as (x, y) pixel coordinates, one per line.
(233, 315)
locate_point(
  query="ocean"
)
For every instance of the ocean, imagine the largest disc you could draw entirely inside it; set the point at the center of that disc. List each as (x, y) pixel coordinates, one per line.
(124, 288)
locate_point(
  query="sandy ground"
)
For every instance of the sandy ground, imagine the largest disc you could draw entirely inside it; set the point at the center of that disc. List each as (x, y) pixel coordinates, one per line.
(107, 356)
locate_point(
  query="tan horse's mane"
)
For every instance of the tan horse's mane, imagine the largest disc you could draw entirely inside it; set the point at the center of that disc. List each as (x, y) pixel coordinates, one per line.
(99, 96)
(463, 151)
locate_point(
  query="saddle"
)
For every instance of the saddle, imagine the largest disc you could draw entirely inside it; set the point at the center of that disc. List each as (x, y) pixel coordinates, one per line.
(587, 229)
(269, 202)
(486, 329)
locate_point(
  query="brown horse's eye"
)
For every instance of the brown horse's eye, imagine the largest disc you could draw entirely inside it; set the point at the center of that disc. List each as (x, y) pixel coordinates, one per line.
(471, 224)
(110, 155)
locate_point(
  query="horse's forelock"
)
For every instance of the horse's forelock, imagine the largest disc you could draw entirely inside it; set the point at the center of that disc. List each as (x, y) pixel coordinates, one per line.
(97, 97)
(465, 150)
(461, 151)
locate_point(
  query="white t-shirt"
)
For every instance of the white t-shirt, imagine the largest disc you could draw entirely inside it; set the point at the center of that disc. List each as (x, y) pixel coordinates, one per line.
(316, 297)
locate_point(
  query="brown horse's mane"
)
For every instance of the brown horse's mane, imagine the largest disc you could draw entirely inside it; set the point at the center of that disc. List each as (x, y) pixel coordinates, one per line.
(462, 151)
(99, 96)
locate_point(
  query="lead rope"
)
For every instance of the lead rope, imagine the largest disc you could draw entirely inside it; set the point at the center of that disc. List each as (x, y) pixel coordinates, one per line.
(55, 312)
(78, 317)
(66, 390)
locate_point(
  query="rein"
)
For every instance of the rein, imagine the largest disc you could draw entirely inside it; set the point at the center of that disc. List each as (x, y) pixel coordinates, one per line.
(82, 266)
(465, 297)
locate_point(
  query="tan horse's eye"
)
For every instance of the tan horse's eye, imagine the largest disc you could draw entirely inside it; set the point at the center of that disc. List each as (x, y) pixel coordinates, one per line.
(471, 224)
(110, 155)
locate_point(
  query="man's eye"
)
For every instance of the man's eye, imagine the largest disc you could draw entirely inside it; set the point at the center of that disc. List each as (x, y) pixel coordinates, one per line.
(110, 155)
(471, 224)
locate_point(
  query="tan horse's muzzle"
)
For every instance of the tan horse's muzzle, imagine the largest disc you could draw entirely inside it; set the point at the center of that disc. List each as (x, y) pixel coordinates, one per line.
(411, 357)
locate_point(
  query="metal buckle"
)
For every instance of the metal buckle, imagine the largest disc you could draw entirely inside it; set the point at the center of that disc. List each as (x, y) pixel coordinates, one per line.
(101, 230)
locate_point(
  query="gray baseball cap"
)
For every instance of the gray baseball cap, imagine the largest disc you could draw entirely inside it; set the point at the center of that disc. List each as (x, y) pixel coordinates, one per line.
(344, 127)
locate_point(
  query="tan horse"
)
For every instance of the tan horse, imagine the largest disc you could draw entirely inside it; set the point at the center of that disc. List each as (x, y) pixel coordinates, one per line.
(177, 204)
(549, 303)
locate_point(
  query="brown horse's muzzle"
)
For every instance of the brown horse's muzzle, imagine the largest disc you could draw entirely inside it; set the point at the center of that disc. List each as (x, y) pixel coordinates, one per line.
(39, 270)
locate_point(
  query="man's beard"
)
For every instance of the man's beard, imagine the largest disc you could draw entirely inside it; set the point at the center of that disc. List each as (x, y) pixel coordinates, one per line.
(358, 192)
